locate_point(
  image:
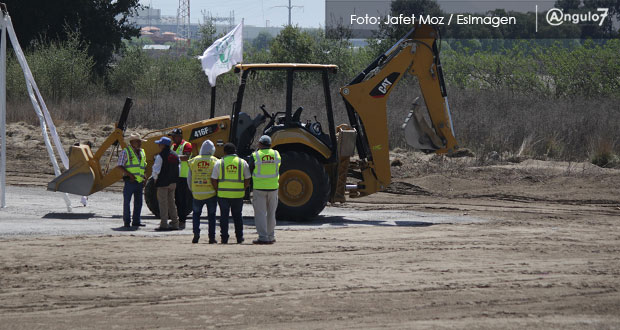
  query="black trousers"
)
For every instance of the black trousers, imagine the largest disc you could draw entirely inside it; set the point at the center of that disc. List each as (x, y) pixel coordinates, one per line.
(181, 197)
(228, 206)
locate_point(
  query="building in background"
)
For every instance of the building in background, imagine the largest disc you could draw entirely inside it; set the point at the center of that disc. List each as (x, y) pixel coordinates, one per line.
(162, 29)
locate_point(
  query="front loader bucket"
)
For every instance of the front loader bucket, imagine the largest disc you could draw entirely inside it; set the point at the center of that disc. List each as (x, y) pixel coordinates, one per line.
(80, 178)
(84, 176)
(77, 180)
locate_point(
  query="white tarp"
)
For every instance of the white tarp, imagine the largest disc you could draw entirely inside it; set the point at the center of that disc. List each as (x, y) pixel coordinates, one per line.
(39, 105)
(223, 54)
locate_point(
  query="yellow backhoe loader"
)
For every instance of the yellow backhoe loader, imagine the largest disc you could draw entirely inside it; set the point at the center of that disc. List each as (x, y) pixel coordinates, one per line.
(315, 163)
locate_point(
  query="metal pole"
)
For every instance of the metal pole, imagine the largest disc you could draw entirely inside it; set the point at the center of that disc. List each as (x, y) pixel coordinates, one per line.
(3, 112)
(290, 7)
(212, 113)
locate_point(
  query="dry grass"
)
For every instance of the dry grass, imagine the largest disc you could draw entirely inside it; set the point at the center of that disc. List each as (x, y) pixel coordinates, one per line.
(492, 124)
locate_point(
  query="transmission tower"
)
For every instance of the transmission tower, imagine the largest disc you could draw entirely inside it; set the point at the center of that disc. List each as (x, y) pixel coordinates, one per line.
(230, 19)
(183, 28)
(290, 8)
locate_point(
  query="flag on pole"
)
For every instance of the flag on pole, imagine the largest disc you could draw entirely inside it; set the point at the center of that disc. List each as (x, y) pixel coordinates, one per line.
(223, 54)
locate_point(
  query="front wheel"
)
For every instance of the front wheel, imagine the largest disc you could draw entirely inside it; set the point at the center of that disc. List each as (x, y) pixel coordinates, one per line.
(150, 197)
(304, 187)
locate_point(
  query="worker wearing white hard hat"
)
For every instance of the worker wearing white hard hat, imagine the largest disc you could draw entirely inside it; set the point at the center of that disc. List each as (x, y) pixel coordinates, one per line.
(265, 166)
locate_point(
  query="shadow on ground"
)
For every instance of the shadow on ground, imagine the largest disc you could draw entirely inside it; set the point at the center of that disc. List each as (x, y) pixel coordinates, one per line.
(336, 221)
(343, 222)
(125, 228)
(68, 216)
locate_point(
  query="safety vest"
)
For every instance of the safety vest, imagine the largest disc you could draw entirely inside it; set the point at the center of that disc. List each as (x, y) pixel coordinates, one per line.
(202, 167)
(230, 178)
(134, 165)
(184, 166)
(266, 169)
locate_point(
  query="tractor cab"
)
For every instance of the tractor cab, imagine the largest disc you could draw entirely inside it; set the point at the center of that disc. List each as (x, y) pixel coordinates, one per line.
(288, 124)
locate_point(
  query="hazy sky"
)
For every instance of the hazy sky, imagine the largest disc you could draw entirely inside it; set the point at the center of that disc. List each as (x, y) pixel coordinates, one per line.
(255, 12)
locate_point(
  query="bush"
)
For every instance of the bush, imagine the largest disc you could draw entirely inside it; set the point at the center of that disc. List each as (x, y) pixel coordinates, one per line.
(122, 77)
(62, 70)
(604, 156)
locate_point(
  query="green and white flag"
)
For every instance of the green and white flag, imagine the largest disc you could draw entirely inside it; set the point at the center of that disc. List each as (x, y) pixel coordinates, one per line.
(223, 54)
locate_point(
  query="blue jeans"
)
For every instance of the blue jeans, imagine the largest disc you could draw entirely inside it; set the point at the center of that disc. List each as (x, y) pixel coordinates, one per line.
(226, 206)
(211, 204)
(132, 189)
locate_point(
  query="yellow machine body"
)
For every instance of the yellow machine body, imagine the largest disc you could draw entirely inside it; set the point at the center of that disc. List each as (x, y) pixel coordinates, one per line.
(87, 176)
(369, 98)
(317, 166)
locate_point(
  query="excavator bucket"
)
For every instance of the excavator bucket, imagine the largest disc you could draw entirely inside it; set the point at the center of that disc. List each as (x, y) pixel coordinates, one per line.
(80, 178)
(418, 133)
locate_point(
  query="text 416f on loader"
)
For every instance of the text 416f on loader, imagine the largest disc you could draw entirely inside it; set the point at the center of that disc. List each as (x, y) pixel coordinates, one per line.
(315, 162)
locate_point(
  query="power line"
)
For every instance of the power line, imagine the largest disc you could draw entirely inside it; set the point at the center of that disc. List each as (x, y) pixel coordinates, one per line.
(290, 8)
(230, 19)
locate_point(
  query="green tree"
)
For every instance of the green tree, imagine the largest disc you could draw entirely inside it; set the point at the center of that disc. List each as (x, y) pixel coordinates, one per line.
(207, 33)
(292, 45)
(102, 23)
(128, 70)
(407, 8)
(261, 42)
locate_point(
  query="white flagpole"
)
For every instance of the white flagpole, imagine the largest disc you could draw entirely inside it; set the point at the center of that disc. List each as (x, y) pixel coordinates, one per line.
(3, 111)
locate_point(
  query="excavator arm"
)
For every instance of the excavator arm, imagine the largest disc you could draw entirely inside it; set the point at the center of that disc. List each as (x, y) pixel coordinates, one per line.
(366, 102)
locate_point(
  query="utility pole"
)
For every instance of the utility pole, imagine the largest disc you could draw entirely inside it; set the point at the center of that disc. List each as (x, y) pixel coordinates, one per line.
(290, 8)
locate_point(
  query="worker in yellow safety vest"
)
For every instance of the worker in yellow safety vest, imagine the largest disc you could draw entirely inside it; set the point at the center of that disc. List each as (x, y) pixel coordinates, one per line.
(230, 177)
(132, 162)
(183, 149)
(265, 175)
(199, 182)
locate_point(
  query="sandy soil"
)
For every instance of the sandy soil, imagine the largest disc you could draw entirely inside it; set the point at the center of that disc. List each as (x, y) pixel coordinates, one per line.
(546, 256)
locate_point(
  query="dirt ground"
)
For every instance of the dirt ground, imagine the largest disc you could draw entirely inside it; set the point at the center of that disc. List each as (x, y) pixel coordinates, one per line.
(545, 255)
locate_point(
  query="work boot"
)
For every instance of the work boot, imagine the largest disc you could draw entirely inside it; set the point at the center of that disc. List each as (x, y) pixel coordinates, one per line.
(224, 240)
(212, 241)
(240, 240)
(174, 223)
(196, 238)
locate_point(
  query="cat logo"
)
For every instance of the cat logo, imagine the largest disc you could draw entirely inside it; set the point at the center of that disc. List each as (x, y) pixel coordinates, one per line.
(384, 86)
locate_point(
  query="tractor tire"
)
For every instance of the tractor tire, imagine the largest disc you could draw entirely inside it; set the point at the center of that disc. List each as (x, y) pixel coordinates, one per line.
(304, 187)
(150, 197)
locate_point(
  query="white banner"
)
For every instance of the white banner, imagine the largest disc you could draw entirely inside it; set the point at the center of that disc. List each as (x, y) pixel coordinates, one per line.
(223, 54)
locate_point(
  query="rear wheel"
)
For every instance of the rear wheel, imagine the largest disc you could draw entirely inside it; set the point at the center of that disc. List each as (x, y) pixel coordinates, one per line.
(150, 197)
(304, 187)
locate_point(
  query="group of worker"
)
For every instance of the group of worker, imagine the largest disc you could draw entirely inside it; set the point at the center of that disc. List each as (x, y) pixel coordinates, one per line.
(211, 182)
